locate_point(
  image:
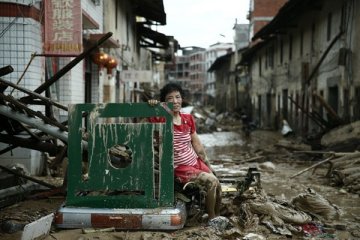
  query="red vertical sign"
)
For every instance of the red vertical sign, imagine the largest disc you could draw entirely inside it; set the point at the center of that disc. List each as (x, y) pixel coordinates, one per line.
(63, 27)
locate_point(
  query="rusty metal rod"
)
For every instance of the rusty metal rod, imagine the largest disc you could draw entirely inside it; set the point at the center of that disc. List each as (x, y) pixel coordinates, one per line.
(71, 64)
(23, 74)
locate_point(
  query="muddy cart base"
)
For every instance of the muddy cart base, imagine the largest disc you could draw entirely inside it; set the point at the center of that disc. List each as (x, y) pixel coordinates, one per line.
(157, 218)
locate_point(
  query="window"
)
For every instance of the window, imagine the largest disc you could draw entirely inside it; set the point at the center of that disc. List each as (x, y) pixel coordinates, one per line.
(281, 51)
(312, 38)
(301, 43)
(290, 46)
(343, 18)
(266, 58)
(285, 104)
(328, 33)
(271, 57)
(260, 66)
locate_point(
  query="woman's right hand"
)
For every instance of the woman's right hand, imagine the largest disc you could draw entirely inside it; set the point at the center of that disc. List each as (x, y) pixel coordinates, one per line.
(153, 102)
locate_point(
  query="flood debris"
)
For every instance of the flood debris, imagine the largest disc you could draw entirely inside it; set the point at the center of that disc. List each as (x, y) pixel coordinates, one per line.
(286, 217)
(344, 138)
(208, 121)
(343, 170)
(37, 229)
(316, 205)
(219, 223)
(293, 145)
(10, 226)
(253, 236)
(27, 177)
(286, 129)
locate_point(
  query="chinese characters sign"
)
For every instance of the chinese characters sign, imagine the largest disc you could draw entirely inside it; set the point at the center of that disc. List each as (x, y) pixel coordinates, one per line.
(136, 76)
(63, 35)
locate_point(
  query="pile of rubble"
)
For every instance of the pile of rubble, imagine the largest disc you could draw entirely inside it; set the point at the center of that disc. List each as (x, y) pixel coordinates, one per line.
(208, 121)
(304, 215)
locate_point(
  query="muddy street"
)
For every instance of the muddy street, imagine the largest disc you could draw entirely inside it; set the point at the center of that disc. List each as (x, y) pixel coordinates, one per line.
(277, 181)
(231, 155)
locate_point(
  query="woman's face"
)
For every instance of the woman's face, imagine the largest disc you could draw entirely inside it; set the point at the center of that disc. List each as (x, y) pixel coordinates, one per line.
(175, 98)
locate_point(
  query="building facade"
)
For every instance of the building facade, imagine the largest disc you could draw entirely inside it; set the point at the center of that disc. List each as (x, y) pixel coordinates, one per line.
(114, 71)
(304, 68)
(211, 54)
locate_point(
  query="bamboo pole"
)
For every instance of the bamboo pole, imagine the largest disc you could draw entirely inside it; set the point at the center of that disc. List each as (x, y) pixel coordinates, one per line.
(313, 166)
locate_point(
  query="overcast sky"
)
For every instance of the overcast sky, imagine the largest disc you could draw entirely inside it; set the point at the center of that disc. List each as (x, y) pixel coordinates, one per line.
(203, 22)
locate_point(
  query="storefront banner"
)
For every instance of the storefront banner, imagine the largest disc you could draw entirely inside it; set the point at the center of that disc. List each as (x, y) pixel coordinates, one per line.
(63, 27)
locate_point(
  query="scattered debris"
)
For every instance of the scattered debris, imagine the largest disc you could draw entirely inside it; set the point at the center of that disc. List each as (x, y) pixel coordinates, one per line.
(253, 236)
(293, 145)
(316, 205)
(343, 137)
(267, 166)
(38, 229)
(219, 223)
(10, 226)
(286, 129)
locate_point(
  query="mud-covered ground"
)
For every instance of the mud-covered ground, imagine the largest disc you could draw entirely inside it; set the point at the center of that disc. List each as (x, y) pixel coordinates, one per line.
(229, 152)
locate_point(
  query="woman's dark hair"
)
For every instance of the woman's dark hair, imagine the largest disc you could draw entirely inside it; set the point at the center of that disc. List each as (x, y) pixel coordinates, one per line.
(169, 88)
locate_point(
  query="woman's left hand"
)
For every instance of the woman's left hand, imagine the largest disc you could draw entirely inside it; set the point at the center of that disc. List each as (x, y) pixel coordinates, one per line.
(153, 102)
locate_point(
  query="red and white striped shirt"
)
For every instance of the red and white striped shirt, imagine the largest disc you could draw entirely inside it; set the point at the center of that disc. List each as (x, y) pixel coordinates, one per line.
(184, 153)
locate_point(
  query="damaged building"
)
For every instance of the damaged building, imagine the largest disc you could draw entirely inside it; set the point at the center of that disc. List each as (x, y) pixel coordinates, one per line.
(302, 66)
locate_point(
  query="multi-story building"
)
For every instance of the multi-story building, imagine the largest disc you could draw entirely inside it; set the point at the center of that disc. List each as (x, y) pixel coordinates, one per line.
(188, 69)
(211, 54)
(182, 71)
(197, 74)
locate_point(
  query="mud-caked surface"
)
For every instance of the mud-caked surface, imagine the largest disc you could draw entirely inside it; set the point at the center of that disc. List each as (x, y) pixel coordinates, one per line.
(232, 153)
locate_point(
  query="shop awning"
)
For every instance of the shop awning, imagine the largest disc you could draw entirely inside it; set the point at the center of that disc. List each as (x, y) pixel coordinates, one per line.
(151, 38)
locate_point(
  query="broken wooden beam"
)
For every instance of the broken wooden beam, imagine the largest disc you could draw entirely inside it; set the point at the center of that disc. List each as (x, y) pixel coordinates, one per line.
(28, 143)
(34, 122)
(6, 70)
(28, 177)
(313, 166)
(31, 112)
(329, 109)
(33, 94)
